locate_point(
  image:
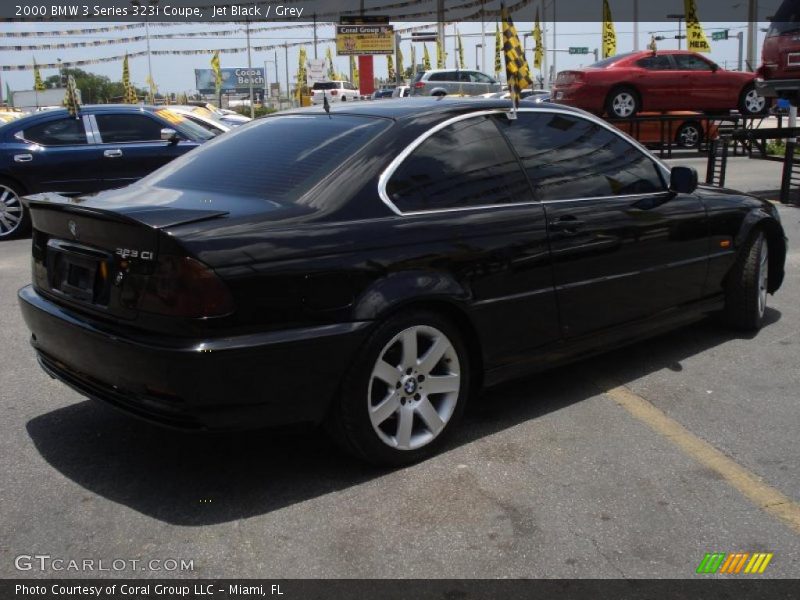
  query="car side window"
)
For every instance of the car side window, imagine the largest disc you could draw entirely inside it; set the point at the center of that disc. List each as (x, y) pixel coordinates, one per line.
(655, 63)
(63, 132)
(480, 78)
(466, 164)
(569, 157)
(122, 128)
(689, 62)
(437, 77)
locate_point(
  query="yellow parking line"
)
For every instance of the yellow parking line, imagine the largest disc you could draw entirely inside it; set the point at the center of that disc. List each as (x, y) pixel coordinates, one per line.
(748, 483)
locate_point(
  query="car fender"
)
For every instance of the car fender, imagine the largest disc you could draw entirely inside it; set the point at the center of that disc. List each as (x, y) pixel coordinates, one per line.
(761, 218)
(395, 290)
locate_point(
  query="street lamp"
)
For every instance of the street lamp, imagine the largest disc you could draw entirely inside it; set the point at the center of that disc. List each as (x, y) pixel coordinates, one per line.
(477, 62)
(680, 17)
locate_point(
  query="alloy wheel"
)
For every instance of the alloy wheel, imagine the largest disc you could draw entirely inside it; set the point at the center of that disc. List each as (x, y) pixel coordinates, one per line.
(623, 104)
(414, 388)
(10, 211)
(753, 102)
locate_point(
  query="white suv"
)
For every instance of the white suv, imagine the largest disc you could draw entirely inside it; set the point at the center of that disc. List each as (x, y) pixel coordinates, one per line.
(336, 91)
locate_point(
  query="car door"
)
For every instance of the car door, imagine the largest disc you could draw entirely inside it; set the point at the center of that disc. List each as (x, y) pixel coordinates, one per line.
(464, 182)
(623, 246)
(701, 84)
(55, 155)
(658, 83)
(132, 146)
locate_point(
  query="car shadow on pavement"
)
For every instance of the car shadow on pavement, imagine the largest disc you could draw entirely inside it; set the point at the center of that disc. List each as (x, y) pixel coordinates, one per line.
(195, 479)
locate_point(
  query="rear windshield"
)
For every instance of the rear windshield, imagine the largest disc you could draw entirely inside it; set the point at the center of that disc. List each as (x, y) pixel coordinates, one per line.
(786, 19)
(275, 158)
(326, 85)
(607, 62)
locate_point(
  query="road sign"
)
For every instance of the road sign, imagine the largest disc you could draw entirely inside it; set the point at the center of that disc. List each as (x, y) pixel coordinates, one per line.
(719, 35)
(423, 36)
(364, 20)
(578, 50)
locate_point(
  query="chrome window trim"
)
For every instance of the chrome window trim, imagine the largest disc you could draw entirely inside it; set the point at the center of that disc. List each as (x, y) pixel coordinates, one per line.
(20, 135)
(387, 173)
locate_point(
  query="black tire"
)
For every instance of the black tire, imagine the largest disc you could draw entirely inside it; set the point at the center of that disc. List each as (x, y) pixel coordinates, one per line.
(689, 135)
(344, 98)
(364, 392)
(746, 287)
(14, 218)
(623, 103)
(439, 94)
(748, 106)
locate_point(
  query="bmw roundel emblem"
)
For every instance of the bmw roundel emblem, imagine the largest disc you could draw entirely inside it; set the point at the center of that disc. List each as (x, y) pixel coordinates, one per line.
(73, 229)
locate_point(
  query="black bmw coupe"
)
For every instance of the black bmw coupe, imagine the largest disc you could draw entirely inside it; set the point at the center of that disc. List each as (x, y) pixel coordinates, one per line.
(372, 268)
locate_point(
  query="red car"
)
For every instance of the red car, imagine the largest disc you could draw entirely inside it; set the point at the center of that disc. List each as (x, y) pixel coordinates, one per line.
(667, 80)
(779, 74)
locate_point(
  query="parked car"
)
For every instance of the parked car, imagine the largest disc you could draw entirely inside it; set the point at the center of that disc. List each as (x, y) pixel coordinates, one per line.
(108, 146)
(376, 284)
(203, 117)
(401, 91)
(336, 91)
(626, 84)
(779, 73)
(382, 94)
(691, 130)
(441, 82)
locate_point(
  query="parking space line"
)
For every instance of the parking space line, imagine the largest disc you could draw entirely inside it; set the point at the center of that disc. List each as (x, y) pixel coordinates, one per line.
(766, 497)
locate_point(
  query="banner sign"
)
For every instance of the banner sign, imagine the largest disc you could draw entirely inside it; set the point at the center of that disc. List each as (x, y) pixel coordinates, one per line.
(358, 40)
(233, 80)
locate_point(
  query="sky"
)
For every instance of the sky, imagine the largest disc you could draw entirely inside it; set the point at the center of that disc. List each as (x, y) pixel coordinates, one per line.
(176, 73)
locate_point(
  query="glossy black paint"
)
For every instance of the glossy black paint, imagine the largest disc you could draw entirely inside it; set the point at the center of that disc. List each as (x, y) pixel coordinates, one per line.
(312, 277)
(83, 167)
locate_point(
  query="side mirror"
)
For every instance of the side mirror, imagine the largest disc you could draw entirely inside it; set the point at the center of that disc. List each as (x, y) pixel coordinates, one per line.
(169, 135)
(683, 180)
(714, 68)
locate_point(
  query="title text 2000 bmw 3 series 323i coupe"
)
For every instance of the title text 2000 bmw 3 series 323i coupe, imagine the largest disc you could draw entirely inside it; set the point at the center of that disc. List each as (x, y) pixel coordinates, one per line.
(372, 268)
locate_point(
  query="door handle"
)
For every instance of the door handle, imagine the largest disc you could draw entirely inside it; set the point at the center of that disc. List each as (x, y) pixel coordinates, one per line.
(566, 224)
(23, 157)
(116, 153)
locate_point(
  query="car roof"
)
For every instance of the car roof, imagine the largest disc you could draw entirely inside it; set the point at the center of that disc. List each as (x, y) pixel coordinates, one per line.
(47, 115)
(414, 106)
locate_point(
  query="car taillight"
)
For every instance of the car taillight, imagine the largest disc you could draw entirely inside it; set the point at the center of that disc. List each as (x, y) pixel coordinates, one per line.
(334, 92)
(419, 85)
(185, 287)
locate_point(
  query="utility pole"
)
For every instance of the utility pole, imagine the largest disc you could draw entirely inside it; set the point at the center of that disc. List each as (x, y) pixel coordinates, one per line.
(440, 24)
(315, 36)
(740, 37)
(752, 33)
(286, 60)
(635, 25)
(250, 71)
(483, 41)
(555, 43)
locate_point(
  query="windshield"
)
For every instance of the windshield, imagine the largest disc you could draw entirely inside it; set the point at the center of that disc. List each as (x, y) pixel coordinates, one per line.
(786, 19)
(183, 125)
(275, 158)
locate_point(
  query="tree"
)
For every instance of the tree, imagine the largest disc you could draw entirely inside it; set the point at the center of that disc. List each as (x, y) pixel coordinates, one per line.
(95, 89)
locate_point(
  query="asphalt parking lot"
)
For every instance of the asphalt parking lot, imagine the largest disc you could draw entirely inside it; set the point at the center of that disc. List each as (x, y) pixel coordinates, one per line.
(632, 464)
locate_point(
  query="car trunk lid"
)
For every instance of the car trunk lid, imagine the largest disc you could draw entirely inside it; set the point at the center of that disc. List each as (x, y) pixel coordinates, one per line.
(99, 259)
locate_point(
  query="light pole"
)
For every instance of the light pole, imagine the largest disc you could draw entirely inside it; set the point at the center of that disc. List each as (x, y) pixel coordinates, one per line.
(680, 17)
(150, 82)
(250, 71)
(477, 61)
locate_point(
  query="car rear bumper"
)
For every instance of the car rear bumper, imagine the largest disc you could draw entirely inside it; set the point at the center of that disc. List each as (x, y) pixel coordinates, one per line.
(241, 382)
(778, 88)
(581, 96)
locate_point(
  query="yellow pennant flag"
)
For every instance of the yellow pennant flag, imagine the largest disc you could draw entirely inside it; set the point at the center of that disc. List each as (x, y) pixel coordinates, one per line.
(426, 58)
(217, 71)
(390, 67)
(440, 55)
(400, 68)
(498, 51)
(609, 33)
(695, 36)
(538, 51)
(38, 84)
(518, 74)
(461, 64)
